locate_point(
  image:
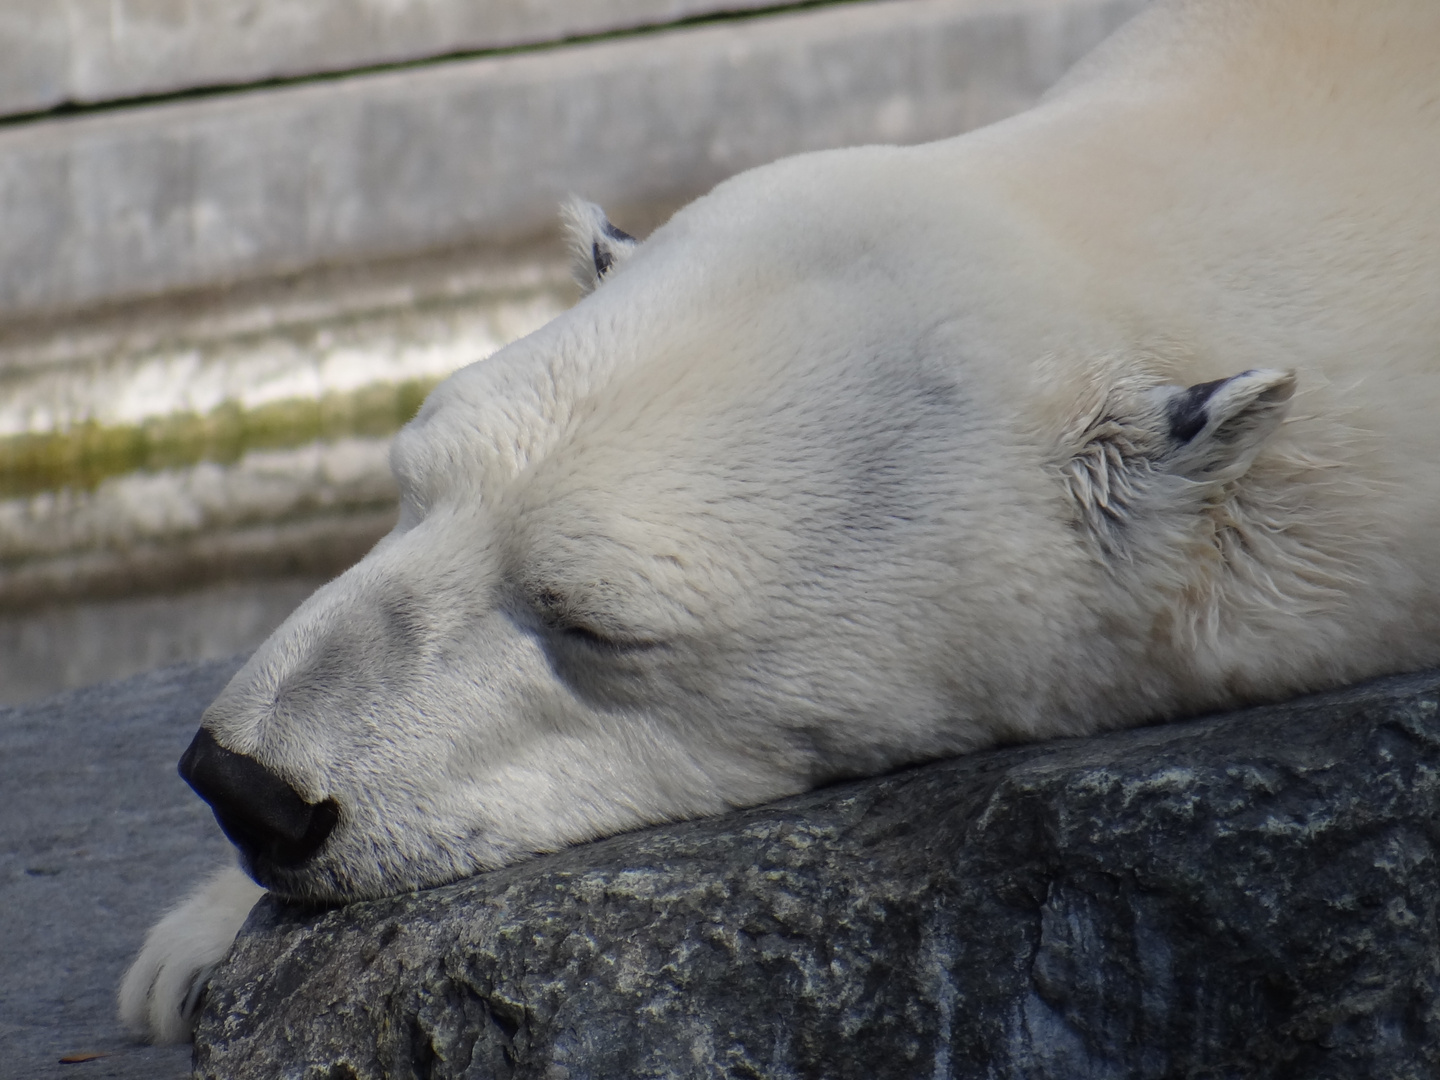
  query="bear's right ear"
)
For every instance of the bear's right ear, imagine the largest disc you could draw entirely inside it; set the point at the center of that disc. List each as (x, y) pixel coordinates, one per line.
(1168, 451)
(596, 246)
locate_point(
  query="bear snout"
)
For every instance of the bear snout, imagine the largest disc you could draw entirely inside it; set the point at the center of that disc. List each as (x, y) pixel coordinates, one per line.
(260, 813)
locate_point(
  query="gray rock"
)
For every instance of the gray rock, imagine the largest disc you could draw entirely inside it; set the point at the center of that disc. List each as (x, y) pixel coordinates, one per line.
(1251, 895)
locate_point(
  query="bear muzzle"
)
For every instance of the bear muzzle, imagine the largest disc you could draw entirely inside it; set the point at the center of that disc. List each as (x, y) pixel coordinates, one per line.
(259, 812)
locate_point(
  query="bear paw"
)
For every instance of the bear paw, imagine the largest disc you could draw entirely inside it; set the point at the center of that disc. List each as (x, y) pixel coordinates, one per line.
(161, 993)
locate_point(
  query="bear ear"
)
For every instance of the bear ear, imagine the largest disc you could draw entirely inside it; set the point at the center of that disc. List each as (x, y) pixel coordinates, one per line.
(1218, 427)
(596, 246)
(1169, 449)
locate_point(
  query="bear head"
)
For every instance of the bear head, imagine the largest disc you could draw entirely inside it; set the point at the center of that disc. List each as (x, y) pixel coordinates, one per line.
(808, 486)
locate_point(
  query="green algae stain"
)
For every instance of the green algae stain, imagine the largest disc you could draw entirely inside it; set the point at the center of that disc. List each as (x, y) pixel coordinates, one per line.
(85, 454)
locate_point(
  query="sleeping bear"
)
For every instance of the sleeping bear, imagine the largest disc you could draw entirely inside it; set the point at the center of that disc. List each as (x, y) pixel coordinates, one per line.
(1120, 410)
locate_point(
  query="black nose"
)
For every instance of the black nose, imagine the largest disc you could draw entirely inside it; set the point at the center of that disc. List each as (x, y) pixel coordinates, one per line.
(261, 814)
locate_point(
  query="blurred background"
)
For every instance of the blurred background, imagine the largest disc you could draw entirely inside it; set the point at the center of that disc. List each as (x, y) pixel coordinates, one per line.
(241, 239)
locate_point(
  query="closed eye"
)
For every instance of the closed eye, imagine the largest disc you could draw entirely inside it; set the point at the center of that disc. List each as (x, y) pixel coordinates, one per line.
(590, 638)
(564, 623)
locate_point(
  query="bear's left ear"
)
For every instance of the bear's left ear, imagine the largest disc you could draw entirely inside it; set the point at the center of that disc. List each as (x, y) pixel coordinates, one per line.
(1169, 449)
(596, 246)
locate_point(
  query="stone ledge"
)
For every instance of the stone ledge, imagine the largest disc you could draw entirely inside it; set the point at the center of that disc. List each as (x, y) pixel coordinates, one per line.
(209, 437)
(1253, 894)
(94, 51)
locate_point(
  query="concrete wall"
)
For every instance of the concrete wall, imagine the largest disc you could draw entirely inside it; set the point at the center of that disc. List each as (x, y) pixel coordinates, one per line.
(192, 193)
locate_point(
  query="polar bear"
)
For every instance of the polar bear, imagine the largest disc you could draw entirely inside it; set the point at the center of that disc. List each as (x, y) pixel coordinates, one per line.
(1119, 410)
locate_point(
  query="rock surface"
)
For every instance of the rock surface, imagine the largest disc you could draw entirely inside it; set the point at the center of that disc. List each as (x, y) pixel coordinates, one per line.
(1252, 895)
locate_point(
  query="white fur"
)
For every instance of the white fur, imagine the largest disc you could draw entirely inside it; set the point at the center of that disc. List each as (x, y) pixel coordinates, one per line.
(871, 456)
